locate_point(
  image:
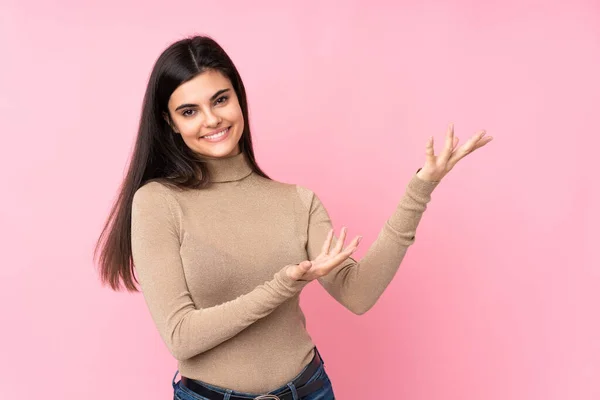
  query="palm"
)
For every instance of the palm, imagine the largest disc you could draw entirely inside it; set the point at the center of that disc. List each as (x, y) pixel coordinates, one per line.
(436, 167)
(331, 258)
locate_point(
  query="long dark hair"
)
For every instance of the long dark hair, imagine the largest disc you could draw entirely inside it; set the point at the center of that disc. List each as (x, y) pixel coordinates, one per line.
(161, 155)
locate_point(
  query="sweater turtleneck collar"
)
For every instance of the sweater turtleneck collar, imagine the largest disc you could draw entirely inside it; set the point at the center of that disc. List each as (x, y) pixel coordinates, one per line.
(228, 169)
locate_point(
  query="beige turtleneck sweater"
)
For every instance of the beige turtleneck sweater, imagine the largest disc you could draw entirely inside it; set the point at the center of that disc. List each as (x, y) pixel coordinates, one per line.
(211, 266)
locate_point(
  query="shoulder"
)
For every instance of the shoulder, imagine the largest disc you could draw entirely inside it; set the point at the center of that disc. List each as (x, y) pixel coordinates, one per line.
(298, 193)
(149, 190)
(305, 194)
(153, 194)
(274, 187)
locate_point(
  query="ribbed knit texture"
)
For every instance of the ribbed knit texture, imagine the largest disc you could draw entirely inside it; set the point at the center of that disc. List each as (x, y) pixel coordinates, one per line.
(211, 265)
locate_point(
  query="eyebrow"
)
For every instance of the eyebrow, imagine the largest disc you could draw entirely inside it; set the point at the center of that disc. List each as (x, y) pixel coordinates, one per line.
(213, 98)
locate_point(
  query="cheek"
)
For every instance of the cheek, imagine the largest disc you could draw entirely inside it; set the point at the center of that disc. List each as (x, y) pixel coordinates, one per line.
(189, 128)
(234, 114)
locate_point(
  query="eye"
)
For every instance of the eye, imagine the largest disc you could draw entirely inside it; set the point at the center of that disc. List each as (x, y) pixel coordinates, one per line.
(188, 113)
(221, 100)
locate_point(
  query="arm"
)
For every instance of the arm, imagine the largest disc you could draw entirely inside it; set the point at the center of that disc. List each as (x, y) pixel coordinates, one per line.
(357, 285)
(185, 329)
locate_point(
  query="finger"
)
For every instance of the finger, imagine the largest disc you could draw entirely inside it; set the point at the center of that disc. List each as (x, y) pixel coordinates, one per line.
(479, 136)
(482, 142)
(327, 244)
(429, 153)
(455, 143)
(324, 267)
(352, 246)
(297, 271)
(472, 144)
(340, 243)
(342, 256)
(447, 151)
(305, 266)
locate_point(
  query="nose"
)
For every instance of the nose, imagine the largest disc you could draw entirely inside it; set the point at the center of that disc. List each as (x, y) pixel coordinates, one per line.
(211, 120)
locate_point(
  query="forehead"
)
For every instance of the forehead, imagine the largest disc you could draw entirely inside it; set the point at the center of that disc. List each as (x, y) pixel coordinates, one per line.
(199, 89)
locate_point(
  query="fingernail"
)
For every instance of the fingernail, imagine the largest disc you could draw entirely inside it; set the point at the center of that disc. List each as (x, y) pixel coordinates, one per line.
(359, 239)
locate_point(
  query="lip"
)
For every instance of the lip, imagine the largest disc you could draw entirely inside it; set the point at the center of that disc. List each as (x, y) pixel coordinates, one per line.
(217, 139)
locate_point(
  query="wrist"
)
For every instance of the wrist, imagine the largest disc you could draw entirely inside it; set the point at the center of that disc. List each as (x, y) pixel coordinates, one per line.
(424, 176)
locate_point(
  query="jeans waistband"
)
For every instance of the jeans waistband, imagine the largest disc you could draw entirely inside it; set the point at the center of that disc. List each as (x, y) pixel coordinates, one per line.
(230, 391)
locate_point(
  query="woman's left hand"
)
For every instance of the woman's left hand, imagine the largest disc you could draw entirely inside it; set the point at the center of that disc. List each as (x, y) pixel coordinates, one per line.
(436, 167)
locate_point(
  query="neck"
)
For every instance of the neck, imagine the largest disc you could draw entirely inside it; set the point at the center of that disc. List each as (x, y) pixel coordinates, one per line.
(228, 169)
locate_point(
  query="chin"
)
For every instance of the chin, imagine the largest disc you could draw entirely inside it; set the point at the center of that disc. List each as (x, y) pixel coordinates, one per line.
(219, 153)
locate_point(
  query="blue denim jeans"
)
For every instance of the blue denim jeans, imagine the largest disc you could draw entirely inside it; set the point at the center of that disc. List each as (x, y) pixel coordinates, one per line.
(323, 393)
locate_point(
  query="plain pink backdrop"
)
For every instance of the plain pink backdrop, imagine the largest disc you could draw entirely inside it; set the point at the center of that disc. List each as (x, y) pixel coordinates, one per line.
(497, 299)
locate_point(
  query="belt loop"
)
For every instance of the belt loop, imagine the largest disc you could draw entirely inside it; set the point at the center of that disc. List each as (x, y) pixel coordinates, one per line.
(227, 395)
(294, 392)
(173, 383)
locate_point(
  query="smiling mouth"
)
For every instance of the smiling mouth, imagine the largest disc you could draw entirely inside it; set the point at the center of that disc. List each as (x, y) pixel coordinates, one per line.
(216, 136)
(213, 135)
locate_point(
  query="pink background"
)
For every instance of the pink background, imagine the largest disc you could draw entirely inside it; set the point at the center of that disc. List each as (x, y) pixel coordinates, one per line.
(497, 299)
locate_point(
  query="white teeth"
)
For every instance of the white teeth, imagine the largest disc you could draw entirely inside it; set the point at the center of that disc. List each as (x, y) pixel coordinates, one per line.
(216, 135)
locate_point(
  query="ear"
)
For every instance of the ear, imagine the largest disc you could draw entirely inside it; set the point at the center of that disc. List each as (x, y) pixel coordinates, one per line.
(168, 120)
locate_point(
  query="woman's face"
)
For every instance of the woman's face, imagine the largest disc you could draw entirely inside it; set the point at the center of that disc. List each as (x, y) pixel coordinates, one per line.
(206, 113)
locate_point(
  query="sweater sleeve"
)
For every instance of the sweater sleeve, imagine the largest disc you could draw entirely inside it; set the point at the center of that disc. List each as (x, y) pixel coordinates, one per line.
(357, 285)
(186, 329)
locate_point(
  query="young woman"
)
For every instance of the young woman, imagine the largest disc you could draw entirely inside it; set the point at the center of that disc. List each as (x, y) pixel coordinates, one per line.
(221, 251)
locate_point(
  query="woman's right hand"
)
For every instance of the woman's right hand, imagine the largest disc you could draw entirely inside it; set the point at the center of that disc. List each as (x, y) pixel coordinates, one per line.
(326, 261)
